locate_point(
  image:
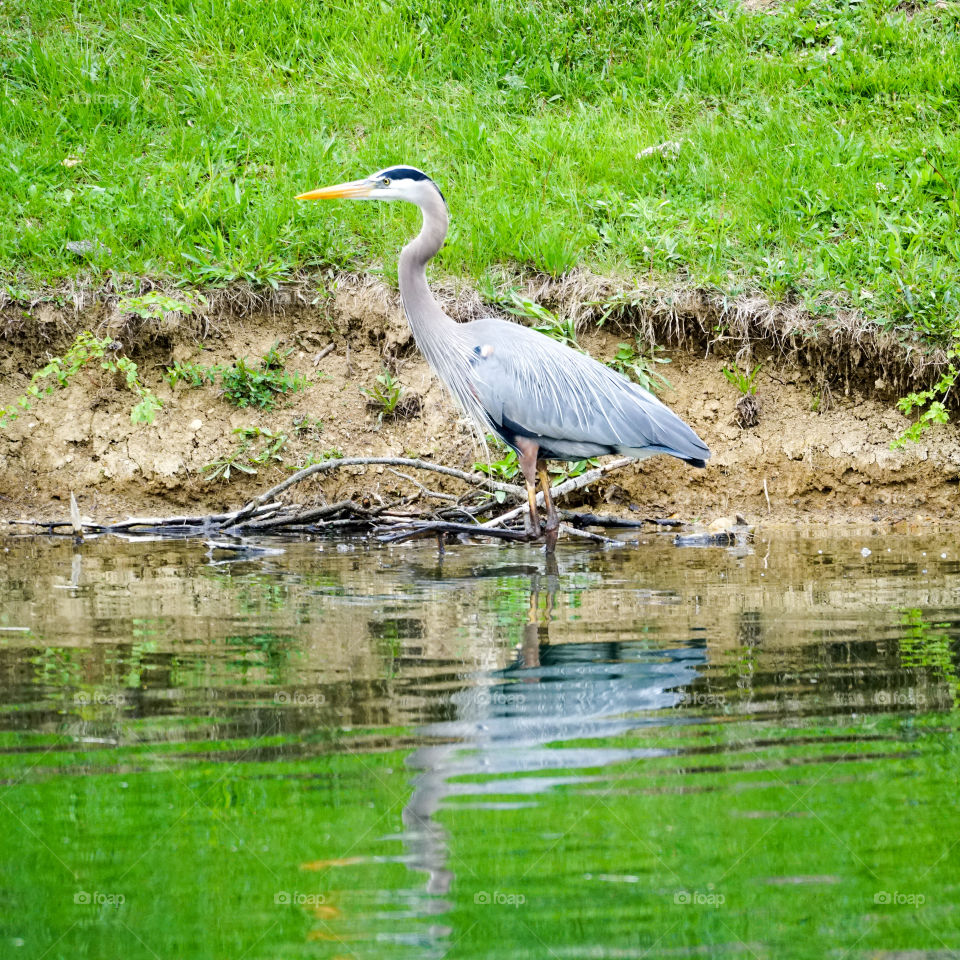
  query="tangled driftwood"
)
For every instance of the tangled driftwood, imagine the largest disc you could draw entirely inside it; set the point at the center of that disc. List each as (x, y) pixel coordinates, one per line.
(389, 522)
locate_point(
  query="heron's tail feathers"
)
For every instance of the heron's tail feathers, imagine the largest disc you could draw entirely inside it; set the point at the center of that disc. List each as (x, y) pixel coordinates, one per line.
(641, 453)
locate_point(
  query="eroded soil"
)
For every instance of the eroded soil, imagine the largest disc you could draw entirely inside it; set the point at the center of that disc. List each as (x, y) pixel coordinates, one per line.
(815, 454)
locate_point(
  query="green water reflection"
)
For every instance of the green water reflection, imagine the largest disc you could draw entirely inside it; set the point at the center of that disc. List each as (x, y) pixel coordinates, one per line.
(325, 750)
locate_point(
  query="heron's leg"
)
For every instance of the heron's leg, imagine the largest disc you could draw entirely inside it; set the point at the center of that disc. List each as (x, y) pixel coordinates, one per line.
(528, 465)
(553, 517)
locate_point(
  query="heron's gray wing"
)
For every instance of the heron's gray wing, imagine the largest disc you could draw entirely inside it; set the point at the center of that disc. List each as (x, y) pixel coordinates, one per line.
(537, 387)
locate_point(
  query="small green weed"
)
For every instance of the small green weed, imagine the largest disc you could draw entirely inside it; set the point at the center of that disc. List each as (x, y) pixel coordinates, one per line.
(631, 362)
(385, 394)
(247, 386)
(574, 469)
(303, 426)
(620, 304)
(333, 453)
(242, 458)
(504, 469)
(84, 350)
(546, 320)
(190, 374)
(154, 304)
(936, 396)
(275, 358)
(243, 385)
(744, 382)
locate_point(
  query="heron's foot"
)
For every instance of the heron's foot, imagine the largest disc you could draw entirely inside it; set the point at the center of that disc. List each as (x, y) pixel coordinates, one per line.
(552, 527)
(551, 532)
(532, 532)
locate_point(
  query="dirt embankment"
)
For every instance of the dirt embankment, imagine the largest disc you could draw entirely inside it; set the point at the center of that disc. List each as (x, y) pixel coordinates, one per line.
(820, 449)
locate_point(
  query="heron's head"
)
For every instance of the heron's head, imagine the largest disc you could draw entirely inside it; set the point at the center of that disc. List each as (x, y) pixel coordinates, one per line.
(391, 183)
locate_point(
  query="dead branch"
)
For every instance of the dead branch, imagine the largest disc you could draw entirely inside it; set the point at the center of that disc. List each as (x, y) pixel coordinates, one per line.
(430, 493)
(484, 483)
(131, 523)
(592, 537)
(298, 515)
(432, 528)
(581, 520)
(327, 349)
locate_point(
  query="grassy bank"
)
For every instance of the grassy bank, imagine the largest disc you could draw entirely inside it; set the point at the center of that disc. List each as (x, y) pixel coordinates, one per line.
(816, 154)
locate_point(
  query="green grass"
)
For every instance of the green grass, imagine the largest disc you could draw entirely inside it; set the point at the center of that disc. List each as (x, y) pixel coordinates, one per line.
(819, 154)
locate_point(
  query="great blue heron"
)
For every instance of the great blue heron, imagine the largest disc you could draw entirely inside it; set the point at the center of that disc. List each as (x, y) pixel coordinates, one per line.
(542, 398)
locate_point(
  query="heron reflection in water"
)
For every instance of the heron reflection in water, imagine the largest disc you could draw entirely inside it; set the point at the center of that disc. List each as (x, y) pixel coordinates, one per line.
(512, 725)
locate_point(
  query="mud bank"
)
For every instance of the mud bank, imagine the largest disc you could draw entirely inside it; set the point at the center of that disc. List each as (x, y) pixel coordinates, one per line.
(820, 450)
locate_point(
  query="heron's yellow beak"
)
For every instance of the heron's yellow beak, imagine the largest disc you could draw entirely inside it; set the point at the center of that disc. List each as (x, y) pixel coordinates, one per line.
(355, 189)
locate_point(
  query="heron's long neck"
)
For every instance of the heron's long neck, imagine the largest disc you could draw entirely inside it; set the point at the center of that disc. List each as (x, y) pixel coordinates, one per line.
(442, 341)
(427, 320)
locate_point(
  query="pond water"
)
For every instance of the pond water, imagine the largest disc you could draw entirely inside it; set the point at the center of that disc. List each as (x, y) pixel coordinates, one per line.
(332, 750)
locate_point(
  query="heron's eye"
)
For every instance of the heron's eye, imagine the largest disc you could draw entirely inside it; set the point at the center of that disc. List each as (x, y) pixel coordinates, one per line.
(386, 181)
